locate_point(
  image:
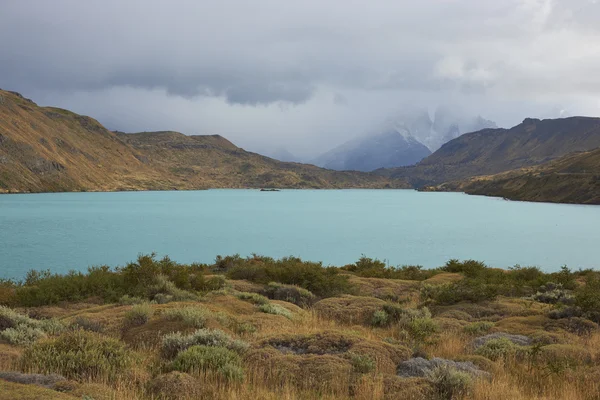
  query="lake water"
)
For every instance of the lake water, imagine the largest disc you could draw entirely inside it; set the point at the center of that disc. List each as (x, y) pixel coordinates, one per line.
(63, 231)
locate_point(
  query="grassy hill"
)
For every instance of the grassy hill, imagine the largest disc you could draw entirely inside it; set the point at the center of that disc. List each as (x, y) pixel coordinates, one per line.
(574, 178)
(46, 149)
(492, 151)
(260, 328)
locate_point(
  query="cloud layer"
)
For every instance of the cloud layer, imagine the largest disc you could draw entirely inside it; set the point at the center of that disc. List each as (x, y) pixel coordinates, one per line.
(305, 75)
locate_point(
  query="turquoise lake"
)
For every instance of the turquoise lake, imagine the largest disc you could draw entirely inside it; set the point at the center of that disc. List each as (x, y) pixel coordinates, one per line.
(64, 231)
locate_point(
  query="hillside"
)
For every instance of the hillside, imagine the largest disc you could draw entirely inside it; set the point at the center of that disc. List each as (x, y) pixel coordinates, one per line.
(392, 148)
(491, 151)
(574, 178)
(46, 149)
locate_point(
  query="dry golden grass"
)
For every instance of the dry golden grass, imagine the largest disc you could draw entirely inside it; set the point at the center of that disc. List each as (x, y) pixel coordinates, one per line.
(279, 366)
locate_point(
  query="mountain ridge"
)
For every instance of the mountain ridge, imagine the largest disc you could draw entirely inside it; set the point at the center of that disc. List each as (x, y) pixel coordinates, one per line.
(48, 149)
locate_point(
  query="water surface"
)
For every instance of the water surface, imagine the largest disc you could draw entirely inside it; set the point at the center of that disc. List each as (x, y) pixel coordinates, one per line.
(63, 231)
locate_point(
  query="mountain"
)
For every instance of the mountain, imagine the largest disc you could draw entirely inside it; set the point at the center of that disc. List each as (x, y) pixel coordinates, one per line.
(47, 149)
(574, 178)
(491, 151)
(402, 140)
(392, 148)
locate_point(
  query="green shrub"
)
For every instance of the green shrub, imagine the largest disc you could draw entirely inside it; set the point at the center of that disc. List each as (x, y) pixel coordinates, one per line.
(362, 363)
(22, 335)
(450, 383)
(322, 281)
(138, 315)
(127, 300)
(478, 328)
(422, 327)
(470, 290)
(275, 309)
(290, 293)
(78, 355)
(164, 287)
(587, 298)
(19, 329)
(374, 268)
(496, 349)
(253, 298)
(201, 358)
(380, 318)
(193, 316)
(174, 343)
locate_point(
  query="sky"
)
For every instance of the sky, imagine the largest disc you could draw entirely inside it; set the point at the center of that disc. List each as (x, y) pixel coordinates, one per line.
(305, 75)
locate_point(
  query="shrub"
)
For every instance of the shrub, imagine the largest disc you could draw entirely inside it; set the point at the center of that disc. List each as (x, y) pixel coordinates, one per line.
(470, 290)
(138, 315)
(449, 383)
(552, 293)
(175, 342)
(164, 287)
(19, 329)
(275, 309)
(253, 298)
(478, 328)
(127, 300)
(469, 268)
(78, 355)
(380, 318)
(361, 363)
(496, 349)
(422, 327)
(587, 298)
(201, 358)
(322, 281)
(193, 316)
(22, 335)
(290, 293)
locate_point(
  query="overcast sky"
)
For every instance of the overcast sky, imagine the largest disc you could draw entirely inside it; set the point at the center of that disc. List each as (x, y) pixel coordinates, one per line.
(301, 74)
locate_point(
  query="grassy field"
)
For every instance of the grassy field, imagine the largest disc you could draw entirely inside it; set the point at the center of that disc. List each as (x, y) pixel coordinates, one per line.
(288, 329)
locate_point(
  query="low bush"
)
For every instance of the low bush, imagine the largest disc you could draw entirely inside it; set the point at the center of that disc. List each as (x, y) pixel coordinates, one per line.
(176, 385)
(322, 281)
(192, 316)
(253, 298)
(478, 328)
(470, 290)
(19, 329)
(275, 309)
(552, 293)
(197, 358)
(78, 355)
(174, 343)
(138, 315)
(421, 328)
(380, 318)
(449, 383)
(587, 298)
(362, 363)
(496, 349)
(290, 293)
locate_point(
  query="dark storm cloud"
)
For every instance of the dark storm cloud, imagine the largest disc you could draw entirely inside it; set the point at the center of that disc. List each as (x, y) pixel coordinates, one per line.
(304, 74)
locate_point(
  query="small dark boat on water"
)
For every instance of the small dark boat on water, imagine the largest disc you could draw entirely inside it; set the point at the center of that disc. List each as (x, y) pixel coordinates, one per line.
(269, 190)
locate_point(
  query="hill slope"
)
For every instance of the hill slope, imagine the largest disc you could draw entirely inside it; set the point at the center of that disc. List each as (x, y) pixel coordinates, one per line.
(492, 151)
(46, 149)
(574, 178)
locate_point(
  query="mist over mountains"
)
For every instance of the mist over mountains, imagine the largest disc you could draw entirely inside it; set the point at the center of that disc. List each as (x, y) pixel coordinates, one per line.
(403, 139)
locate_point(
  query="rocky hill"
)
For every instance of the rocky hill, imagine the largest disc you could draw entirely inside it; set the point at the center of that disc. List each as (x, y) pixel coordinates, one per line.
(491, 151)
(46, 149)
(574, 178)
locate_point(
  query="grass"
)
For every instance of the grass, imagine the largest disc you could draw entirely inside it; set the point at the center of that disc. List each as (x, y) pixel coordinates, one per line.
(170, 331)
